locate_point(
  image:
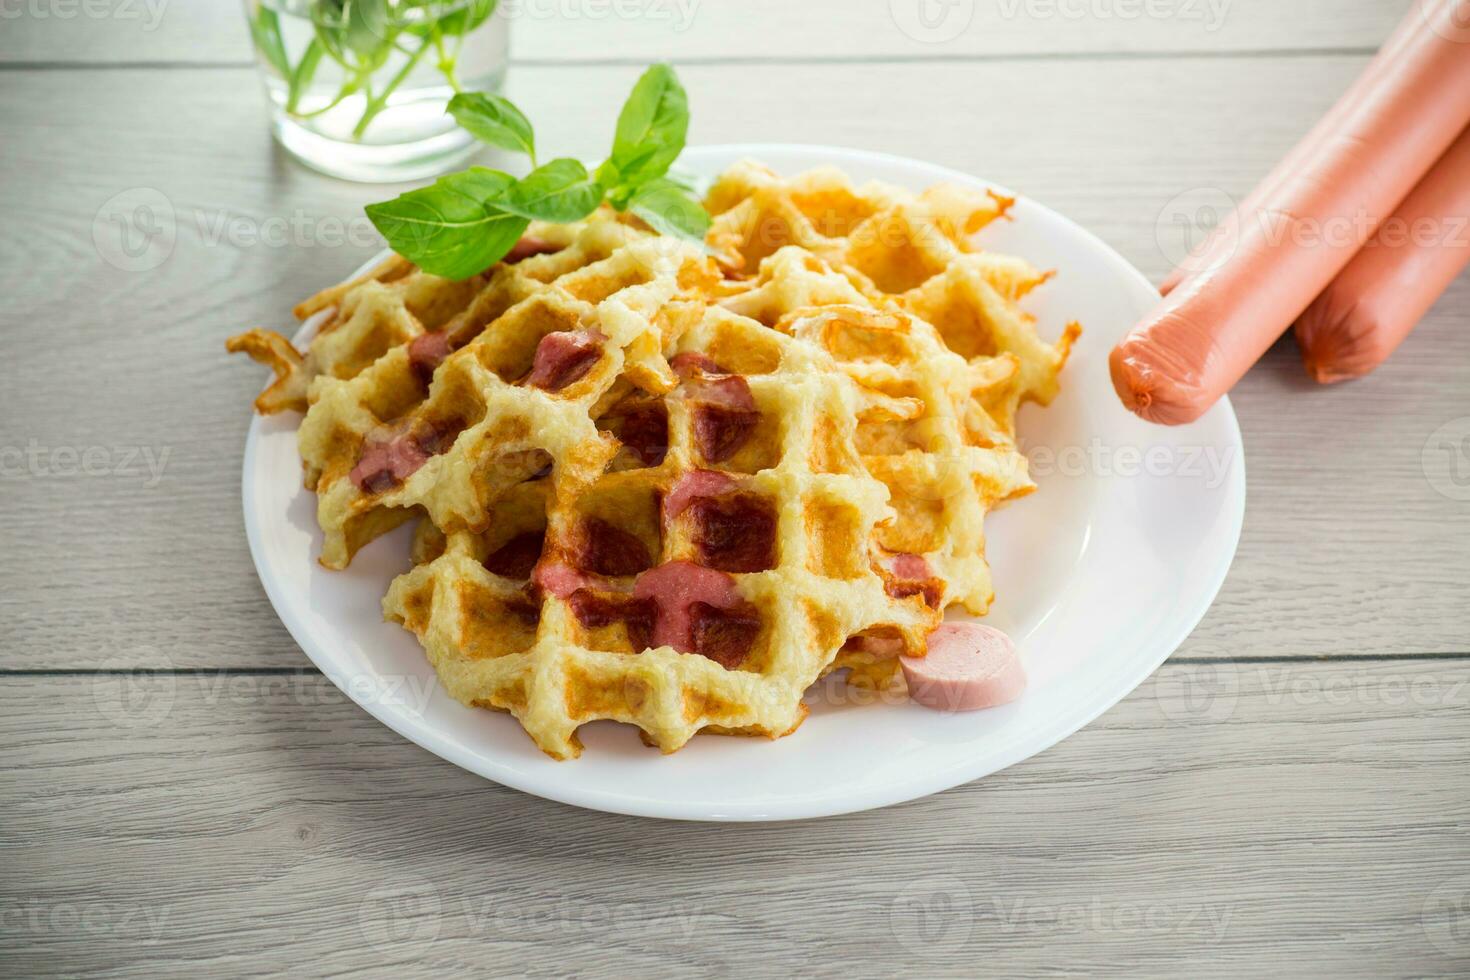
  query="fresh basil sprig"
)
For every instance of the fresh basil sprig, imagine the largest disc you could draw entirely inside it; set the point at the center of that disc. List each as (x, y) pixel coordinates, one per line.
(650, 136)
(494, 119)
(448, 225)
(670, 208)
(562, 191)
(464, 223)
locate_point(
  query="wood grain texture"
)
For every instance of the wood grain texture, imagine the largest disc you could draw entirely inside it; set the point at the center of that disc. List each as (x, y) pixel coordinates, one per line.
(213, 31)
(1296, 819)
(1244, 812)
(1348, 548)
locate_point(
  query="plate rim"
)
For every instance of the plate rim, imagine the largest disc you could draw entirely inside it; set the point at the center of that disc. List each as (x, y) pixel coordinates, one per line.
(420, 732)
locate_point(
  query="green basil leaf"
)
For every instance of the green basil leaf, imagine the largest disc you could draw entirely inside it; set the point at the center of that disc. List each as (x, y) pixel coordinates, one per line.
(561, 191)
(495, 120)
(671, 209)
(608, 175)
(697, 184)
(455, 227)
(620, 195)
(652, 127)
(265, 29)
(369, 30)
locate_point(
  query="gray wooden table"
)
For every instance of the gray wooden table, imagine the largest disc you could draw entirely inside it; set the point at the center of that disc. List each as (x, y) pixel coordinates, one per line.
(183, 794)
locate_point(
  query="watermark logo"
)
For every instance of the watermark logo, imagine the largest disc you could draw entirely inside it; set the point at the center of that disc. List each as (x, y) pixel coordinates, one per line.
(1198, 222)
(932, 21)
(133, 698)
(1450, 19)
(136, 230)
(1446, 459)
(1445, 917)
(1195, 692)
(407, 912)
(932, 916)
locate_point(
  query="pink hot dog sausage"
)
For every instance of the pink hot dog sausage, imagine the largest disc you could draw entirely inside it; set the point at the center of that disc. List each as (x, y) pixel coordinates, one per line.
(1370, 308)
(968, 667)
(1220, 243)
(1207, 333)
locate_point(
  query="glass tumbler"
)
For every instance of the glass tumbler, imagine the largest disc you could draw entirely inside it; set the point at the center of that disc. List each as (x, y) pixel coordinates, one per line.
(358, 88)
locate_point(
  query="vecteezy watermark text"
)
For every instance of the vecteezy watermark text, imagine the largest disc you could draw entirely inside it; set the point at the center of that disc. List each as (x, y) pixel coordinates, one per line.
(138, 229)
(296, 230)
(1205, 225)
(1211, 692)
(679, 14)
(1210, 14)
(117, 920)
(935, 917)
(148, 12)
(418, 911)
(144, 698)
(1210, 465)
(38, 461)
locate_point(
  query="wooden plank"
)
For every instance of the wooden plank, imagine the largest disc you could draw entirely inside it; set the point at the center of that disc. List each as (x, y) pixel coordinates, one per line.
(1348, 548)
(1308, 819)
(212, 31)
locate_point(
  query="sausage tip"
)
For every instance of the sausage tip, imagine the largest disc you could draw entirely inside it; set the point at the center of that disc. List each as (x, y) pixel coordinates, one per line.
(1338, 349)
(1148, 393)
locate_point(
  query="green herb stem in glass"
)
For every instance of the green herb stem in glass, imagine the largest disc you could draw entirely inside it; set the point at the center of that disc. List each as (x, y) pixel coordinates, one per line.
(358, 88)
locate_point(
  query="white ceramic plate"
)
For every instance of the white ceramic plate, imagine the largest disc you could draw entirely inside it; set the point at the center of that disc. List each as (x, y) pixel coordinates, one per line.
(1099, 577)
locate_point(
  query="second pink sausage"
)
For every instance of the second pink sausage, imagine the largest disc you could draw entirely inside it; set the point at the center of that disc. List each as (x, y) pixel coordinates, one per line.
(1370, 308)
(1207, 333)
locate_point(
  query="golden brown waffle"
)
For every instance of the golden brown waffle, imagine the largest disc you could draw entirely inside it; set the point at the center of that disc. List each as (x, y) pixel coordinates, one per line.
(477, 430)
(816, 239)
(786, 532)
(667, 494)
(366, 317)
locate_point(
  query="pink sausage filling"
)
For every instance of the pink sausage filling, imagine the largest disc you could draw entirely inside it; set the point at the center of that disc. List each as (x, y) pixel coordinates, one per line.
(968, 667)
(690, 363)
(724, 410)
(385, 465)
(561, 580)
(396, 453)
(645, 432)
(912, 575)
(695, 485)
(564, 358)
(529, 247)
(517, 558)
(426, 352)
(603, 549)
(699, 611)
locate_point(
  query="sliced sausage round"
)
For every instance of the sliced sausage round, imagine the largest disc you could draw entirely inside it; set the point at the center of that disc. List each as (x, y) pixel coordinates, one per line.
(969, 666)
